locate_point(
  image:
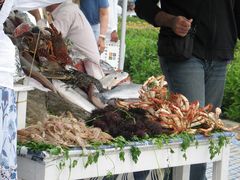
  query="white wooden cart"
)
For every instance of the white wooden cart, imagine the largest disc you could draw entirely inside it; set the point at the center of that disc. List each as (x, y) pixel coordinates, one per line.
(150, 158)
(21, 100)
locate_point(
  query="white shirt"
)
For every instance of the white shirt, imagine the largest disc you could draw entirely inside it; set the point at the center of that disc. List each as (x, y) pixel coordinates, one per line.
(7, 49)
(113, 16)
(71, 22)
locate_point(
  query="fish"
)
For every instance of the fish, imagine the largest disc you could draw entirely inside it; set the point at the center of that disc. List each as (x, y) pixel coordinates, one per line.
(94, 98)
(25, 62)
(93, 69)
(82, 80)
(73, 96)
(113, 79)
(106, 67)
(127, 91)
(40, 78)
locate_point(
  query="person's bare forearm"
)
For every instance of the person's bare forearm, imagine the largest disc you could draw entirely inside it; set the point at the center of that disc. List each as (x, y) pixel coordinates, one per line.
(164, 19)
(36, 14)
(103, 20)
(179, 24)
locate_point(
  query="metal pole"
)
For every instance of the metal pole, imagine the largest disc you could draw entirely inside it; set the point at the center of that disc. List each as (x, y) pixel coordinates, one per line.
(123, 35)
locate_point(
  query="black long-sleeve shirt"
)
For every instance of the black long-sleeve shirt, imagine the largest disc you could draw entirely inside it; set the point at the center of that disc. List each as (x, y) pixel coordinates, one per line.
(218, 24)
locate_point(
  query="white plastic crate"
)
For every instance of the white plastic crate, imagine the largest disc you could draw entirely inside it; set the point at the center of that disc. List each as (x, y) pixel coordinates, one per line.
(21, 98)
(111, 53)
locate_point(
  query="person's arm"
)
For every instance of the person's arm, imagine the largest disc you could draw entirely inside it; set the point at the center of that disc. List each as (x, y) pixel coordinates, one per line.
(150, 11)
(147, 10)
(64, 23)
(113, 20)
(36, 14)
(103, 28)
(237, 16)
(40, 22)
(27, 5)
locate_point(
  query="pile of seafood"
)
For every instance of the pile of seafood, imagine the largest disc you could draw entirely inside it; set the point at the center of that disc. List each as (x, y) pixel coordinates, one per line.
(138, 109)
(174, 111)
(48, 58)
(65, 131)
(127, 123)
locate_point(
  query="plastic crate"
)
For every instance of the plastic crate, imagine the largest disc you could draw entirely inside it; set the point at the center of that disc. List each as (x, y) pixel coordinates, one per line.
(111, 54)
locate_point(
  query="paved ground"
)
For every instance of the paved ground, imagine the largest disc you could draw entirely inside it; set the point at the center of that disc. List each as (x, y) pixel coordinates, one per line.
(234, 163)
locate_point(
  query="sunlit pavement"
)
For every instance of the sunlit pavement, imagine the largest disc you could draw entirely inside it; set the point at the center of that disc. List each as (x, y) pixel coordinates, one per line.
(234, 162)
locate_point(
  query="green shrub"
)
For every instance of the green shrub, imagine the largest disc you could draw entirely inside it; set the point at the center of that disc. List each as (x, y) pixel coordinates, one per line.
(231, 101)
(141, 59)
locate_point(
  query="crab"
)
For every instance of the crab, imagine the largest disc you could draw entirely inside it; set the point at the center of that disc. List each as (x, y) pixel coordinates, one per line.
(214, 122)
(46, 45)
(175, 112)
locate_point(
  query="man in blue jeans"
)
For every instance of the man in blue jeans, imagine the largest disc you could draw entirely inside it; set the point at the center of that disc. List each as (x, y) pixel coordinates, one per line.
(199, 75)
(96, 12)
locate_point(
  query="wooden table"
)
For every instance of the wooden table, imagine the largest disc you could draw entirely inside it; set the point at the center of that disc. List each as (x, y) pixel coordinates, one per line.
(21, 100)
(150, 158)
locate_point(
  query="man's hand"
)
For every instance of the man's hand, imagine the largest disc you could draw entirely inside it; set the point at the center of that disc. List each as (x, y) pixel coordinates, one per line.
(114, 36)
(101, 44)
(181, 25)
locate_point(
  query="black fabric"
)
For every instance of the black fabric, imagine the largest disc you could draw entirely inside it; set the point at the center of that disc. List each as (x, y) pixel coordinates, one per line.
(217, 30)
(176, 47)
(237, 15)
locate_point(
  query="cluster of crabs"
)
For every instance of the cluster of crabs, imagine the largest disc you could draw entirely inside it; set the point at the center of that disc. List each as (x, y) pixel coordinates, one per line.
(174, 111)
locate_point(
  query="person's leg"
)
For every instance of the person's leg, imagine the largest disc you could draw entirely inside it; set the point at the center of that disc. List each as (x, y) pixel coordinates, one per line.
(113, 177)
(188, 78)
(215, 81)
(141, 175)
(185, 77)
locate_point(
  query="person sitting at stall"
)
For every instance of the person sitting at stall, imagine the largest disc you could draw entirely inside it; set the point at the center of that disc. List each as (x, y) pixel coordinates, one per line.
(73, 25)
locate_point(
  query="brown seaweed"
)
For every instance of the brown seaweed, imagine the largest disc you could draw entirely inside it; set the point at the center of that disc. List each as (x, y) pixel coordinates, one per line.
(126, 123)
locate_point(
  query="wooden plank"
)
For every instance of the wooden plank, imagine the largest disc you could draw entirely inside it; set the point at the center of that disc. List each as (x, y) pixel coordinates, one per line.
(151, 158)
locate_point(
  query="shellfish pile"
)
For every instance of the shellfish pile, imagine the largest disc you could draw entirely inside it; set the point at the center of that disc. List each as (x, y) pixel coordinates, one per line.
(65, 131)
(174, 111)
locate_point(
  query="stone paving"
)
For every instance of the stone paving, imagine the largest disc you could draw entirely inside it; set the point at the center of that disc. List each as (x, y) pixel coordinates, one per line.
(234, 161)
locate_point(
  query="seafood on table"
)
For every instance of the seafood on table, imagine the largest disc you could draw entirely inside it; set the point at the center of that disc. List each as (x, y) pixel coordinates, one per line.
(44, 56)
(114, 79)
(127, 123)
(63, 130)
(125, 91)
(73, 96)
(174, 111)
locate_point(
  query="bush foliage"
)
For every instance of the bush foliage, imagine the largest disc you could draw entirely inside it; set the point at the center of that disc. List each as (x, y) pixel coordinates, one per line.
(231, 100)
(141, 61)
